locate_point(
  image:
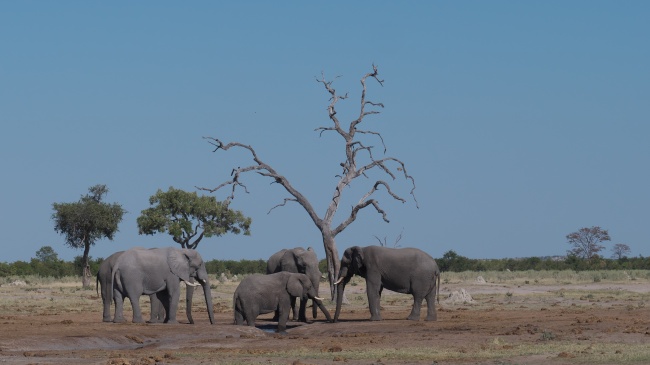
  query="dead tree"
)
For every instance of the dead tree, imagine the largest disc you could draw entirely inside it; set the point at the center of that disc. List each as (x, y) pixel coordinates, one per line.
(390, 166)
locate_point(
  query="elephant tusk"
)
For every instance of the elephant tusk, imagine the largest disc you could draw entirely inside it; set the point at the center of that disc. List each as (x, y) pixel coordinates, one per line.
(319, 299)
(338, 281)
(191, 284)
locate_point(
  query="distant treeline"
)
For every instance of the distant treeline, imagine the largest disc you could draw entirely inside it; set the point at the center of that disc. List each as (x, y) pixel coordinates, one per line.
(451, 261)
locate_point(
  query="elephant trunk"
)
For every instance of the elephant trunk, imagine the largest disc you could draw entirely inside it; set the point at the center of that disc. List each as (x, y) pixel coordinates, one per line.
(208, 299)
(340, 288)
(339, 299)
(189, 293)
(320, 305)
(315, 276)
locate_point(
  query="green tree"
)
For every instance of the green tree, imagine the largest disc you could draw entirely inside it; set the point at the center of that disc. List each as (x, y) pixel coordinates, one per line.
(47, 254)
(187, 216)
(451, 261)
(586, 242)
(620, 251)
(86, 221)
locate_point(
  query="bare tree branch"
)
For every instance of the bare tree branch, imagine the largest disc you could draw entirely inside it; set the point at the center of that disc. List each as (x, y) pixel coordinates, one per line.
(282, 204)
(262, 169)
(349, 170)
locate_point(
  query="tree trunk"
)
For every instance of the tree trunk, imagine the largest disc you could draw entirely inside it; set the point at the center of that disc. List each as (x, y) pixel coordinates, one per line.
(86, 274)
(333, 261)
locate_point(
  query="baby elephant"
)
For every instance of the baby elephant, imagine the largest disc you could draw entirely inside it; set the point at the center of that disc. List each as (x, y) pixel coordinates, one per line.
(259, 294)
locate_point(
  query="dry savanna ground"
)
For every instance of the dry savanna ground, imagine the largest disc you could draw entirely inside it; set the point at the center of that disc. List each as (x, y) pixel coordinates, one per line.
(511, 318)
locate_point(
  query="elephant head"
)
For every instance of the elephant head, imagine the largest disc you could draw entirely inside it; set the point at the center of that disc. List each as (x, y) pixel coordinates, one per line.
(352, 263)
(303, 261)
(300, 286)
(189, 266)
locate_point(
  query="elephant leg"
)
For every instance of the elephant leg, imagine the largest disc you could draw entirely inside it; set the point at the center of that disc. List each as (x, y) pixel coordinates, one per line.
(157, 308)
(250, 318)
(295, 310)
(374, 297)
(302, 317)
(432, 315)
(106, 315)
(174, 296)
(417, 304)
(239, 317)
(137, 312)
(119, 307)
(282, 323)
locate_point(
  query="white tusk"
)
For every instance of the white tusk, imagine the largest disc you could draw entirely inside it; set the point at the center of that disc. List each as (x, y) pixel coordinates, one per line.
(319, 299)
(191, 284)
(338, 281)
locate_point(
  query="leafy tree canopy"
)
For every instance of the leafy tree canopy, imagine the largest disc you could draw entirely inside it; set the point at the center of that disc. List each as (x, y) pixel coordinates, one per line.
(586, 242)
(187, 216)
(47, 254)
(86, 221)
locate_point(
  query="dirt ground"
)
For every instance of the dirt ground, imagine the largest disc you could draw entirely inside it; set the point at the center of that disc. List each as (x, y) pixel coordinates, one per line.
(500, 324)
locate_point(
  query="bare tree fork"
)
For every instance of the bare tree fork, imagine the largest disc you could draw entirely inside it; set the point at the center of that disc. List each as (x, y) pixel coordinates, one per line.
(354, 150)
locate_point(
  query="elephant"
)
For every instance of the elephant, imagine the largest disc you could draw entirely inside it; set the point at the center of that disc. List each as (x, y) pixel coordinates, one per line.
(105, 280)
(259, 294)
(403, 270)
(156, 271)
(297, 260)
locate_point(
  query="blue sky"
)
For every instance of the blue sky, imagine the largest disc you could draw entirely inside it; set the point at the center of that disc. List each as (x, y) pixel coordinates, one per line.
(520, 121)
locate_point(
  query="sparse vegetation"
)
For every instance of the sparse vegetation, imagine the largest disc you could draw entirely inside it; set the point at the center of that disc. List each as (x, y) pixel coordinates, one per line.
(36, 297)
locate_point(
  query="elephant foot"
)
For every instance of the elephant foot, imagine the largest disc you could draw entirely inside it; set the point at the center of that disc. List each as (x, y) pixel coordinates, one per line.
(138, 320)
(432, 318)
(413, 317)
(172, 321)
(375, 318)
(119, 320)
(283, 332)
(107, 319)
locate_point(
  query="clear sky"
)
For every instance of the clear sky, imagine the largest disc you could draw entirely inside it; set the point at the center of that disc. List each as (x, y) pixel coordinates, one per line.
(520, 121)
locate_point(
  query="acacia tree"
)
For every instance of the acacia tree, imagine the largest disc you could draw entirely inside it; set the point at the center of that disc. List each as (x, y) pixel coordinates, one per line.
(86, 221)
(620, 250)
(586, 242)
(354, 149)
(186, 216)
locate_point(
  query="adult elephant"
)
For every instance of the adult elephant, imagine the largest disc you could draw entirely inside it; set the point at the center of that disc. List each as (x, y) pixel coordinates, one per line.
(258, 294)
(297, 260)
(105, 282)
(137, 272)
(403, 270)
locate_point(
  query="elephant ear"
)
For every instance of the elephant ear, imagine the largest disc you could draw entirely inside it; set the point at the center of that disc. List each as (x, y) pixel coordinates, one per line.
(357, 258)
(294, 286)
(179, 264)
(289, 262)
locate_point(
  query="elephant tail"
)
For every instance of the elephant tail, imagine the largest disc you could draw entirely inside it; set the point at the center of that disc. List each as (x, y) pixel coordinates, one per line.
(437, 274)
(236, 303)
(115, 282)
(97, 283)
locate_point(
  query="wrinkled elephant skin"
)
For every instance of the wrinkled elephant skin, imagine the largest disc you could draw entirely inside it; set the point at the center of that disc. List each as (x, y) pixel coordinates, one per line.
(403, 270)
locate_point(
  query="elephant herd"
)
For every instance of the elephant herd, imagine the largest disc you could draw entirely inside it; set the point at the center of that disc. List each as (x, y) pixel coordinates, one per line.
(290, 275)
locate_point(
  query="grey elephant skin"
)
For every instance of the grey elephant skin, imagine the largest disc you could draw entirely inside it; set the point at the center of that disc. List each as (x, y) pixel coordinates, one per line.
(403, 270)
(144, 272)
(105, 281)
(259, 294)
(297, 260)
